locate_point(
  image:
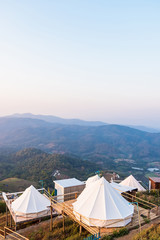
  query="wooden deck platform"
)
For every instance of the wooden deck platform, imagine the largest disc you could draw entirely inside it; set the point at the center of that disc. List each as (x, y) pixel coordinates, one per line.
(67, 208)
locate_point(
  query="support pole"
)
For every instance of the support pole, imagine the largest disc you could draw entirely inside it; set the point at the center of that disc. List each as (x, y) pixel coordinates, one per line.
(63, 224)
(51, 222)
(15, 227)
(99, 231)
(80, 230)
(148, 214)
(157, 211)
(6, 215)
(10, 220)
(132, 198)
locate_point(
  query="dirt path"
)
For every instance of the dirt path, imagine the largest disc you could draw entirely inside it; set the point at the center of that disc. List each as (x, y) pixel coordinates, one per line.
(132, 233)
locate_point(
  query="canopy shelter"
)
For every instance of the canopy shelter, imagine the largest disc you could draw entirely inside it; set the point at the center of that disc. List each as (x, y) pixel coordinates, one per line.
(101, 205)
(132, 182)
(31, 204)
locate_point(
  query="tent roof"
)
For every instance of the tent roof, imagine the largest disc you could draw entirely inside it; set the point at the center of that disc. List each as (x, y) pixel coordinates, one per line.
(70, 182)
(31, 201)
(100, 201)
(122, 188)
(132, 182)
(92, 179)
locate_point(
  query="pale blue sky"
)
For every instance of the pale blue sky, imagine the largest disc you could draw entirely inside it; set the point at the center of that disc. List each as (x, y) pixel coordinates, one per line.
(88, 59)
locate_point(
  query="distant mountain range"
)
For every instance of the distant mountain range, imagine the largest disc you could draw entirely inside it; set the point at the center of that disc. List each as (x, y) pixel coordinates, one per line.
(101, 143)
(54, 119)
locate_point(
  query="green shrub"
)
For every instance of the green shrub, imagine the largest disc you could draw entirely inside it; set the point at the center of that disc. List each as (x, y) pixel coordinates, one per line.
(116, 234)
(123, 231)
(109, 237)
(146, 220)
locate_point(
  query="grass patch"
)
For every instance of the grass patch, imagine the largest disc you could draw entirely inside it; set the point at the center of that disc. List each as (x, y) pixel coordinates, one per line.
(15, 184)
(44, 233)
(151, 233)
(116, 234)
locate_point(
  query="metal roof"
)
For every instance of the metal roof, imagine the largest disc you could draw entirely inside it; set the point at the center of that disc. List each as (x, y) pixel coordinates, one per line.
(70, 182)
(155, 179)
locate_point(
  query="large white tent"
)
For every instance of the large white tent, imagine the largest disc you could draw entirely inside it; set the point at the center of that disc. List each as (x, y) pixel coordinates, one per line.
(101, 205)
(92, 179)
(31, 204)
(132, 182)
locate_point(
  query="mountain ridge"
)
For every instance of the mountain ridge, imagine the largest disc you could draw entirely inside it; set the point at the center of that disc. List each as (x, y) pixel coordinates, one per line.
(97, 143)
(55, 119)
(59, 120)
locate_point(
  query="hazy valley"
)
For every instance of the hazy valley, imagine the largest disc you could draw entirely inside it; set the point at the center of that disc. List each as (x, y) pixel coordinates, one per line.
(73, 149)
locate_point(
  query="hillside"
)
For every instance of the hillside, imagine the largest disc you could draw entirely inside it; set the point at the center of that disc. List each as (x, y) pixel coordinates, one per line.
(100, 143)
(34, 165)
(15, 184)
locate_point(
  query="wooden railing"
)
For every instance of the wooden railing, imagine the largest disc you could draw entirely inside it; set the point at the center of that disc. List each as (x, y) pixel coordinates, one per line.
(2, 220)
(141, 201)
(12, 234)
(1, 233)
(65, 208)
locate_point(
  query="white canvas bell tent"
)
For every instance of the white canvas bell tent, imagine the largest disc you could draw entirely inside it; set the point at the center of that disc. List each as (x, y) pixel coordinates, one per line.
(31, 204)
(132, 182)
(101, 205)
(92, 179)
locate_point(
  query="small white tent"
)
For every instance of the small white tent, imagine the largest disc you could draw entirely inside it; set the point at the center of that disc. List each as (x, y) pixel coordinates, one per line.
(132, 182)
(31, 204)
(92, 179)
(101, 205)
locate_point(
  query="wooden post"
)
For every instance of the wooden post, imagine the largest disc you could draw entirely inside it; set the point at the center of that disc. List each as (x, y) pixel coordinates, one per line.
(15, 226)
(157, 211)
(99, 231)
(148, 214)
(80, 227)
(10, 220)
(80, 230)
(51, 222)
(6, 215)
(63, 222)
(132, 198)
(75, 195)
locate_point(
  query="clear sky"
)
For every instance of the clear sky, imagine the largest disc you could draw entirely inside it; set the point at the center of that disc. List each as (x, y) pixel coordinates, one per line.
(88, 59)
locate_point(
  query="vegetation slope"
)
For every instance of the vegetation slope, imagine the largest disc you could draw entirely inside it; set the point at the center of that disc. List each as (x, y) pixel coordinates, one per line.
(34, 165)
